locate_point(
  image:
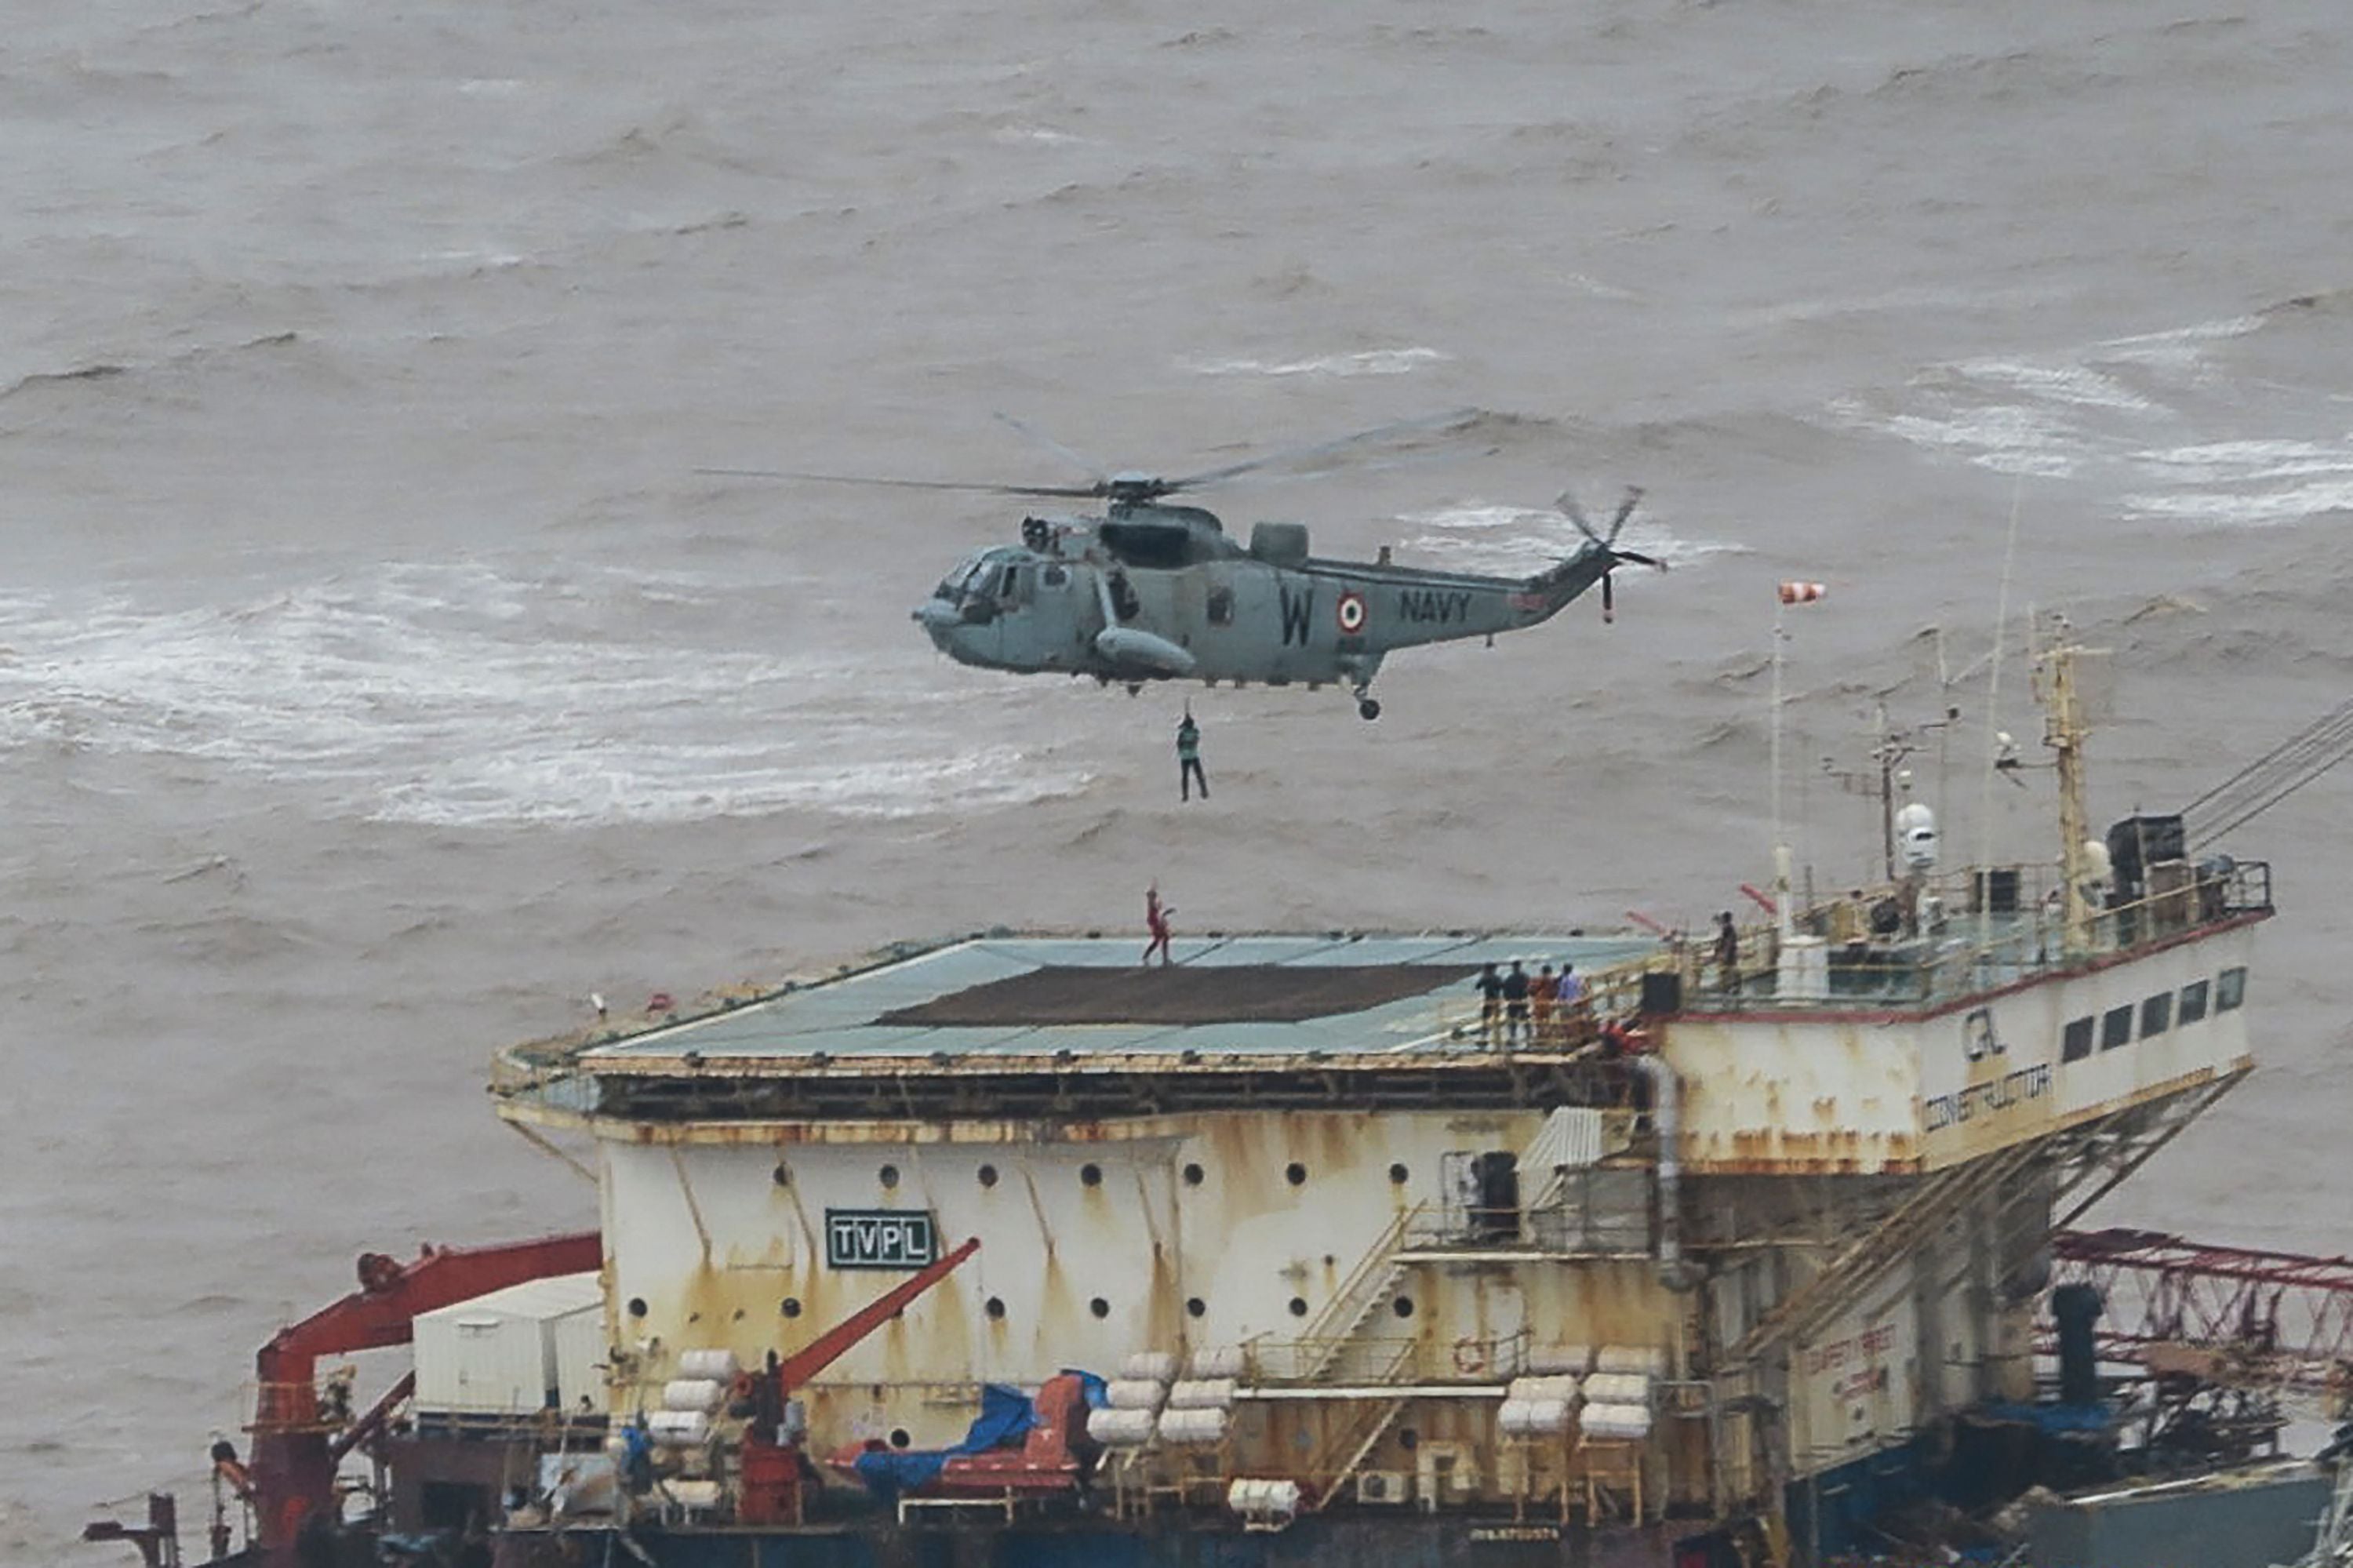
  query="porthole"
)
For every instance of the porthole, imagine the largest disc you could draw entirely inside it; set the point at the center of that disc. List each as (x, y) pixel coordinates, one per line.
(1195, 1175)
(898, 1438)
(791, 1307)
(889, 1175)
(988, 1175)
(637, 1305)
(1299, 1306)
(1409, 1438)
(1402, 1306)
(1092, 1174)
(783, 1174)
(1099, 1306)
(1196, 1307)
(1295, 1173)
(1399, 1175)
(995, 1308)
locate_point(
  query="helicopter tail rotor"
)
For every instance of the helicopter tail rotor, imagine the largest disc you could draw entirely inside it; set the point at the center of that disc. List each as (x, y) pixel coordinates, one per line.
(1606, 544)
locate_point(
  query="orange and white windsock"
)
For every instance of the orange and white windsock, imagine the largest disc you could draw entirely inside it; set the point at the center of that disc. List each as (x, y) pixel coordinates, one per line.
(1801, 593)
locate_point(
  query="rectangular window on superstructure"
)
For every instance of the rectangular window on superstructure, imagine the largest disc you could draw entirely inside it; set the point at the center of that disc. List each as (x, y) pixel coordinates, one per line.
(2115, 1027)
(2230, 988)
(2193, 1002)
(2076, 1044)
(2157, 1014)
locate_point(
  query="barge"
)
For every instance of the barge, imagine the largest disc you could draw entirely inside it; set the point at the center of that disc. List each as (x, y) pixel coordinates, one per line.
(1297, 1249)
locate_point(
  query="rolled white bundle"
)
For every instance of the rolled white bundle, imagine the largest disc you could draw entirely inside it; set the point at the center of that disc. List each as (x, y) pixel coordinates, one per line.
(1120, 1428)
(1619, 1422)
(1533, 1417)
(1136, 1394)
(1256, 1499)
(1647, 1360)
(1618, 1388)
(1558, 1385)
(1156, 1366)
(1202, 1394)
(1192, 1427)
(692, 1394)
(678, 1428)
(1217, 1361)
(716, 1364)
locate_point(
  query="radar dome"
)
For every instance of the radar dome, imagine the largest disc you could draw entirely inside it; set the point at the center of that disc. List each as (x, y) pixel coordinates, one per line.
(1916, 830)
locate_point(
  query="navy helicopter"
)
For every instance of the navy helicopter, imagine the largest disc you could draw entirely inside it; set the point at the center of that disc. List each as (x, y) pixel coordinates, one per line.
(1153, 591)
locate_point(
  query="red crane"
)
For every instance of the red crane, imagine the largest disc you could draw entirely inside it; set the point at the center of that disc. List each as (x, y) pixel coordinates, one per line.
(773, 1470)
(295, 1452)
(2285, 1318)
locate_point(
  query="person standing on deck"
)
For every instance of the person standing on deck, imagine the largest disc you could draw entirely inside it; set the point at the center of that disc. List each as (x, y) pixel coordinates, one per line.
(1188, 758)
(1573, 1018)
(1727, 952)
(1515, 1005)
(1542, 991)
(1156, 920)
(1490, 1002)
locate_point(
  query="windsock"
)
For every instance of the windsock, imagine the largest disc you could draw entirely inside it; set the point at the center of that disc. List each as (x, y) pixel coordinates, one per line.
(1802, 593)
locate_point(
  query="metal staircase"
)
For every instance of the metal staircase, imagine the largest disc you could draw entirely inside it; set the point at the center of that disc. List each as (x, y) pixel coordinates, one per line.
(1941, 1197)
(1350, 1446)
(1352, 1306)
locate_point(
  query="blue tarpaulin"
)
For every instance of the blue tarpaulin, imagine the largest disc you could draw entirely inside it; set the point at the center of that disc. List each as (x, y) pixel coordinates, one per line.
(1005, 1415)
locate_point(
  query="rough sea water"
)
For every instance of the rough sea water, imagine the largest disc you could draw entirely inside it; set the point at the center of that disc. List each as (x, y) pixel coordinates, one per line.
(379, 676)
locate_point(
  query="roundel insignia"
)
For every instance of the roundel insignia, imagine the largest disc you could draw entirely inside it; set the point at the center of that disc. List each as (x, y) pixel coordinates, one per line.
(1352, 613)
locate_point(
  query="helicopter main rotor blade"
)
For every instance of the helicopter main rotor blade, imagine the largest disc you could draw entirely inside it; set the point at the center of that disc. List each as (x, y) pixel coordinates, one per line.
(1452, 420)
(1625, 510)
(1071, 492)
(1086, 465)
(1566, 502)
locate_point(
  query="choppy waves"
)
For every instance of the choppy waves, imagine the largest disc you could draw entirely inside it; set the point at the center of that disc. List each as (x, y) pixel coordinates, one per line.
(450, 695)
(2190, 425)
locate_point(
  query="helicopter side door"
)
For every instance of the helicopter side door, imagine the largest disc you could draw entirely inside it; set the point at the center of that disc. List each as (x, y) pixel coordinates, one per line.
(1049, 627)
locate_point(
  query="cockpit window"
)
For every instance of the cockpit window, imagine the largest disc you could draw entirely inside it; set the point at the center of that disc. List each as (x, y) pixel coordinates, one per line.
(954, 586)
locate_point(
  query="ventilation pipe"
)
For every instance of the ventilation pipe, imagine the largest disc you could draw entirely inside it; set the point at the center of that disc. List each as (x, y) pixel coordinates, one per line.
(1666, 1118)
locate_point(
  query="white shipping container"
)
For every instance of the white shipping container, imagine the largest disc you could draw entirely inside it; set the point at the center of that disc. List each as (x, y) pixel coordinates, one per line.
(580, 1358)
(496, 1353)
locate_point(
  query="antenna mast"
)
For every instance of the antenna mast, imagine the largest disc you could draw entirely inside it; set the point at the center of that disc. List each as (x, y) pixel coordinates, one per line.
(2062, 732)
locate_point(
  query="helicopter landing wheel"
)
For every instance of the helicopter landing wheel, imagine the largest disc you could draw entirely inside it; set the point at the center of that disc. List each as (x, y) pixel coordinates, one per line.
(1368, 709)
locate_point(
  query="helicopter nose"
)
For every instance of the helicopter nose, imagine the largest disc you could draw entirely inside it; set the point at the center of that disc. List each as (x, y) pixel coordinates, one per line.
(935, 615)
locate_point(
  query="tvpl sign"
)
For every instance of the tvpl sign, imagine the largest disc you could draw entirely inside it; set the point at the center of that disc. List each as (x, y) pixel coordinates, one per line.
(880, 1238)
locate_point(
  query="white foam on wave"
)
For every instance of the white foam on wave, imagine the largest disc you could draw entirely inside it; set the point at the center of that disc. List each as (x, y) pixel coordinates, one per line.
(2260, 510)
(1370, 362)
(2247, 461)
(2181, 348)
(458, 696)
(2008, 440)
(2077, 386)
(474, 261)
(2254, 483)
(1035, 137)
